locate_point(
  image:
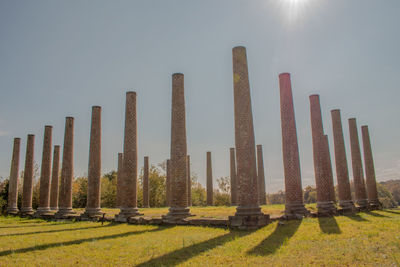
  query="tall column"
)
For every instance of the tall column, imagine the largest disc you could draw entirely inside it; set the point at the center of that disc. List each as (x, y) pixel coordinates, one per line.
(54, 179)
(146, 203)
(291, 160)
(369, 169)
(26, 207)
(234, 190)
(248, 213)
(94, 173)
(45, 174)
(168, 183)
(120, 180)
(179, 202)
(67, 171)
(261, 176)
(12, 207)
(327, 167)
(325, 205)
(129, 192)
(189, 182)
(210, 201)
(358, 173)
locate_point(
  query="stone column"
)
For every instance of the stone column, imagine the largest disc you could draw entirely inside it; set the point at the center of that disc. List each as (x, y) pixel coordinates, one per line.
(369, 169)
(129, 191)
(342, 171)
(26, 207)
(146, 203)
(67, 172)
(120, 180)
(210, 201)
(291, 160)
(261, 176)
(327, 167)
(358, 173)
(248, 213)
(45, 175)
(234, 190)
(54, 179)
(168, 184)
(94, 173)
(325, 205)
(12, 207)
(179, 202)
(189, 182)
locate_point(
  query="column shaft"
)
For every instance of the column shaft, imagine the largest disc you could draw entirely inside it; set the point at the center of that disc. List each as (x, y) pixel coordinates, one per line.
(234, 194)
(120, 180)
(12, 207)
(54, 179)
(210, 201)
(189, 182)
(261, 176)
(146, 203)
(168, 183)
(26, 207)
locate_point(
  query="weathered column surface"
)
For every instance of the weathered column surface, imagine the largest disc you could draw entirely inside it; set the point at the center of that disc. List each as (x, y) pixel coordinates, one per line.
(189, 182)
(248, 213)
(67, 172)
(210, 200)
(94, 173)
(325, 205)
(146, 203)
(179, 203)
(12, 207)
(327, 167)
(45, 174)
(129, 191)
(369, 169)
(291, 160)
(342, 171)
(168, 183)
(54, 179)
(120, 180)
(358, 173)
(26, 207)
(261, 176)
(234, 190)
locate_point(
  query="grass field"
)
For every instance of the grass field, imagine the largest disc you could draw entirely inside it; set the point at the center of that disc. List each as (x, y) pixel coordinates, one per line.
(366, 239)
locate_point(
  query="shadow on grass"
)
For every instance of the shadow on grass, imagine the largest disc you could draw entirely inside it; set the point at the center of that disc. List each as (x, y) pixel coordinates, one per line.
(39, 224)
(278, 238)
(376, 214)
(356, 217)
(59, 230)
(391, 211)
(328, 225)
(75, 242)
(181, 255)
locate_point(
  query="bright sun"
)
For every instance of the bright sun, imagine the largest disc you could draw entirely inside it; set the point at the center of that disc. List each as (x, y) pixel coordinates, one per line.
(294, 9)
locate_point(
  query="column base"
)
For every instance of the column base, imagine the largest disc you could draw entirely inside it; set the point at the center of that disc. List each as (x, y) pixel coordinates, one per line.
(92, 213)
(362, 204)
(248, 211)
(296, 209)
(26, 211)
(54, 209)
(374, 204)
(176, 214)
(326, 208)
(248, 222)
(65, 213)
(12, 210)
(126, 213)
(42, 211)
(347, 207)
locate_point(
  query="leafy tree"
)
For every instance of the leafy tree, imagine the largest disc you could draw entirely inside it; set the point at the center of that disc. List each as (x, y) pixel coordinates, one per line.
(79, 192)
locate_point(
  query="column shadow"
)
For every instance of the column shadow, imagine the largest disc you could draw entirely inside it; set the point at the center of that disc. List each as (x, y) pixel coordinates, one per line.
(277, 239)
(376, 214)
(390, 211)
(75, 242)
(328, 225)
(356, 217)
(181, 255)
(34, 225)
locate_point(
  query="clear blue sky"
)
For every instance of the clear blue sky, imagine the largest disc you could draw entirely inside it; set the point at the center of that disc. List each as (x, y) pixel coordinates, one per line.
(58, 58)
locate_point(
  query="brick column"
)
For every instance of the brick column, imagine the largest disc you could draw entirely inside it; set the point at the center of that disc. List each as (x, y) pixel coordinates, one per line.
(179, 202)
(168, 183)
(120, 180)
(369, 169)
(358, 173)
(189, 182)
(325, 205)
(342, 171)
(94, 173)
(248, 213)
(26, 207)
(210, 201)
(291, 161)
(234, 190)
(67, 172)
(54, 179)
(327, 167)
(45, 175)
(261, 176)
(146, 183)
(129, 191)
(12, 207)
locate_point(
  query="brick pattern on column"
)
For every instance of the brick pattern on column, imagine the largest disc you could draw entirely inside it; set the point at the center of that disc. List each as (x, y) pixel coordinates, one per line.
(146, 203)
(27, 189)
(12, 207)
(234, 194)
(291, 160)
(168, 183)
(210, 190)
(54, 179)
(45, 174)
(120, 180)
(358, 173)
(261, 176)
(189, 182)
(370, 178)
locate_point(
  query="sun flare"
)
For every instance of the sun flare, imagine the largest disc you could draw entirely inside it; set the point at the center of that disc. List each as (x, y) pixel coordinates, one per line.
(294, 9)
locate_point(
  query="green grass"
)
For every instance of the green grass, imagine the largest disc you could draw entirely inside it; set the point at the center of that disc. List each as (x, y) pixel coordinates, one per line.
(367, 239)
